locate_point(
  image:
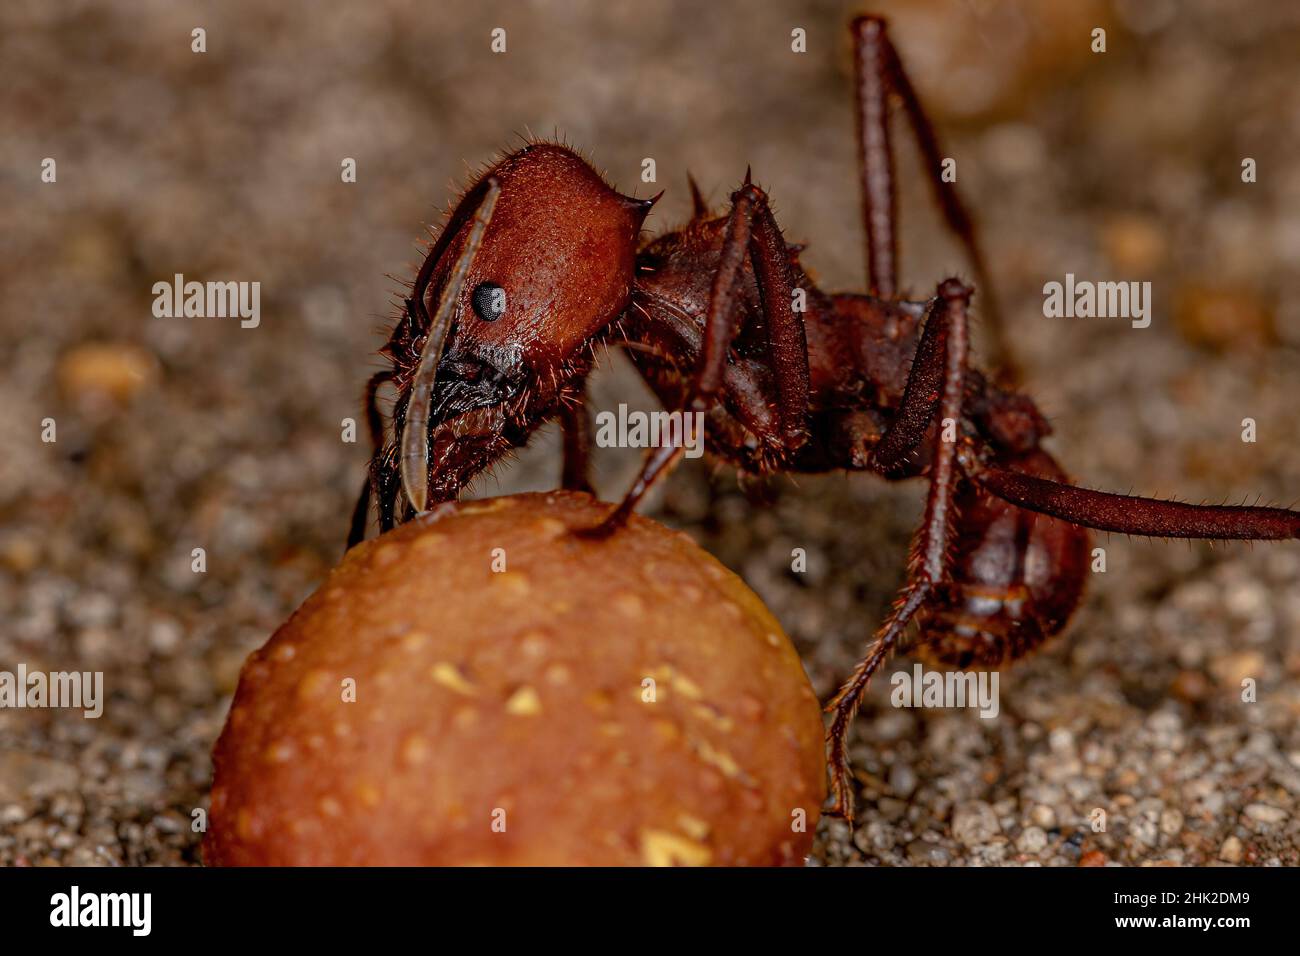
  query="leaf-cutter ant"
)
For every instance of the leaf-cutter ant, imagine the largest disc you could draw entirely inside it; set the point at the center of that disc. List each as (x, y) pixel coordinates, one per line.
(542, 261)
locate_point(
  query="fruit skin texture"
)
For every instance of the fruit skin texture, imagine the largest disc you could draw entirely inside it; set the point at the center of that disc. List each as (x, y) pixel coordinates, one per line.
(505, 717)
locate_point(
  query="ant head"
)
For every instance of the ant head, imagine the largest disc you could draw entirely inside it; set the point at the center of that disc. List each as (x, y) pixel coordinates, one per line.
(556, 262)
(545, 270)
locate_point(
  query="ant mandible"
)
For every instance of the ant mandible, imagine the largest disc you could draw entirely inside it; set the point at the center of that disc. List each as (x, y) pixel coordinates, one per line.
(541, 262)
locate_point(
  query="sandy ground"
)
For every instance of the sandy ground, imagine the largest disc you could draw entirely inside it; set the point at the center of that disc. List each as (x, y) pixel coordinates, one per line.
(179, 434)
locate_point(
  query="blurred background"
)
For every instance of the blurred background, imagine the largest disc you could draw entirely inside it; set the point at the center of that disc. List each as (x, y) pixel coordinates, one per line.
(174, 434)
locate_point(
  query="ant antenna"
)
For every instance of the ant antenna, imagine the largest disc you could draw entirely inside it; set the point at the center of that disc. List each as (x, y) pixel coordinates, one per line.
(415, 436)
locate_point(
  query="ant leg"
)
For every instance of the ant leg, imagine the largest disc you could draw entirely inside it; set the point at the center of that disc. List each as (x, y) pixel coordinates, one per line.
(752, 230)
(1129, 514)
(787, 343)
(576, 428)
(360, 515)
(375, 423)
(930, 551)
(719, 320)
(658, 464)
(718, 333)
(880, 73)
(875, 154)
(920, 394)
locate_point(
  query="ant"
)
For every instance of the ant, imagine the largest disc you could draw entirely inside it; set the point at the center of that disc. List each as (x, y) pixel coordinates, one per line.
(542, 261)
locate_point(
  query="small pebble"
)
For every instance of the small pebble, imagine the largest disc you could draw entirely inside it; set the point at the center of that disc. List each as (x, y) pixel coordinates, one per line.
(925, 853)
(974, 823)
(1263, 813)
(1171, 822)
(1031, 840)
(902, 780)
(1231, 850)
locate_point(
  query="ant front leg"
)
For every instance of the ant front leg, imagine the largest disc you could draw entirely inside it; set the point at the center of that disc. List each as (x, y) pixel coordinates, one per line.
(879, 77)
(928, 565)
(375, 423)
(575, 425)
(751, 230)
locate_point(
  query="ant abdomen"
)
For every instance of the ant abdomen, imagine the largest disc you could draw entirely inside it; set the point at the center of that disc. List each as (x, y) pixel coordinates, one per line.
(1016, 578)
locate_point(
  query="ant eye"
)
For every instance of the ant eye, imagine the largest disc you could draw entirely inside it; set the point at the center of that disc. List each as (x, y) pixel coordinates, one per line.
(489, 301)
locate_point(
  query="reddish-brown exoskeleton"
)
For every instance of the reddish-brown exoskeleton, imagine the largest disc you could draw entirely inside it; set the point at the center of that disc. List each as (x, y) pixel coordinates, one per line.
(541, 261)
